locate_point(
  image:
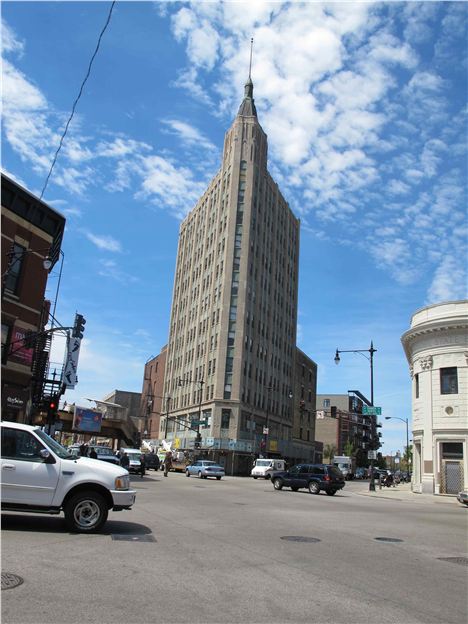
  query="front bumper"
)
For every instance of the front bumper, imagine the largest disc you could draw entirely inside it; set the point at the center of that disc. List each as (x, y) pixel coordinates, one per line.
(123, 499)
(213, 474)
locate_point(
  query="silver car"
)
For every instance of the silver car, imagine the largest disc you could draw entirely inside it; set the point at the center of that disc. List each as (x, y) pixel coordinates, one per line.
(204, 468)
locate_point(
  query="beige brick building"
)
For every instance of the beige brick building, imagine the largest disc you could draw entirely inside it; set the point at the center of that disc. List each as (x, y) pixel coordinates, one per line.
(231, 350)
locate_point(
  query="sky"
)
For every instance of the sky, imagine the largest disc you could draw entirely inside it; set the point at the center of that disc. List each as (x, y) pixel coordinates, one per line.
(364, 105)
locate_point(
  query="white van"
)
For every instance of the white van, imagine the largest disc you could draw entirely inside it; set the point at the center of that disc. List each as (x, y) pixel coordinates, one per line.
(134, 457)
(264, 467)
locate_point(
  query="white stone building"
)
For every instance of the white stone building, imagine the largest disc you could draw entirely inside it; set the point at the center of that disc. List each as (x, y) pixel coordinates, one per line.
(436, 347)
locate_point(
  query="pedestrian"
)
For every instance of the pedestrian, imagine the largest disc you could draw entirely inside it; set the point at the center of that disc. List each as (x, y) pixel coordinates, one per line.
(83, 450)
(167, 462)
(92, 453)
(125, 461)
(142, 465)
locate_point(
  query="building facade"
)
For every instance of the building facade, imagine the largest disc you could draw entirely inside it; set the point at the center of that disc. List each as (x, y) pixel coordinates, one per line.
(31, 240)
(305, 446)
(340, 420)
(436, 347)
(231, 349)
(153, 404)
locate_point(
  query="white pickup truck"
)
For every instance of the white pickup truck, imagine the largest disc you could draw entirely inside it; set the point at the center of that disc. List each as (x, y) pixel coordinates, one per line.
(39, 475)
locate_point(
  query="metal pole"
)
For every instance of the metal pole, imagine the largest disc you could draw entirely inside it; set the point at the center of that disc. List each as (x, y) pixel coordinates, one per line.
(407, 449)
(267, 416)
(201, 382)
(167, 416)
(371, 351)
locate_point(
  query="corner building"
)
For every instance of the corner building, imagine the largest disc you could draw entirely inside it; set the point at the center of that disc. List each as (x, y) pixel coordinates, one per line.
(231, 349)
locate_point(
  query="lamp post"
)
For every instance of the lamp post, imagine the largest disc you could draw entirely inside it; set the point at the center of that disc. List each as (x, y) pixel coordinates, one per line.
(370, 357)
(267, 419)
(15, 256)
(168, 400)
(201, 382)
(405, 420)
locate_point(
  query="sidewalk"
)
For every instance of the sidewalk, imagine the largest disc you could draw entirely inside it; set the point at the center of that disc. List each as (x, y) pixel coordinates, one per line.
(402, 492)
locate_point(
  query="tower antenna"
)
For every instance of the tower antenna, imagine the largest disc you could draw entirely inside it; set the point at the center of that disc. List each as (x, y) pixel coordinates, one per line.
(251, 49)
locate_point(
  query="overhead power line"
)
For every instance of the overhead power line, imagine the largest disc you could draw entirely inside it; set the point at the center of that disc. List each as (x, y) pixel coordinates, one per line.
(78, 98)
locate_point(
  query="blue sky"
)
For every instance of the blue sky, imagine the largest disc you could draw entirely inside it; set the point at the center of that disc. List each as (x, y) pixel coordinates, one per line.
(365, 109)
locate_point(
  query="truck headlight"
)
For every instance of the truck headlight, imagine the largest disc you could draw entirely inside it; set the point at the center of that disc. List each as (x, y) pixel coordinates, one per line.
(122, 483)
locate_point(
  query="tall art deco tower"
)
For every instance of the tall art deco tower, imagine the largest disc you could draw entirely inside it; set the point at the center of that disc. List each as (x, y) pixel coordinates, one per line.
(230, 357)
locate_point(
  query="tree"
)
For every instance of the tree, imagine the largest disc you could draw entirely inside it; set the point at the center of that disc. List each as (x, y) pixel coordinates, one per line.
(408, 457)
(329, 451)
(349, 448)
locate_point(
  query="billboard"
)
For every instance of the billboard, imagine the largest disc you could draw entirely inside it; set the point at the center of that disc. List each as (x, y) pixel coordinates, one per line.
(20, 353)
(86, 420)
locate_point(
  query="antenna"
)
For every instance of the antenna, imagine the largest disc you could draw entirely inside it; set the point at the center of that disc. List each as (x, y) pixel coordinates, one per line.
(251, 50)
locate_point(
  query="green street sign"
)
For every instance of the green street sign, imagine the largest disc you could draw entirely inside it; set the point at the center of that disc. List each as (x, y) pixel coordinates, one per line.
(372, 411)
(195, 423)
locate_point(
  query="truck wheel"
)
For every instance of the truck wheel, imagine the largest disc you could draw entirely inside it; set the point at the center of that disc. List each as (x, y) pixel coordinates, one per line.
(277, 484)
(331, 492)
(255, 477)
(86, 512)
(268, 476)
(314, 487)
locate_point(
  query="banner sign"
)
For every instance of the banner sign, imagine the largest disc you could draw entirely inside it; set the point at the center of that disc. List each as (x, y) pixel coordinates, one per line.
(20, 353)
(70, 364)
(88, 420)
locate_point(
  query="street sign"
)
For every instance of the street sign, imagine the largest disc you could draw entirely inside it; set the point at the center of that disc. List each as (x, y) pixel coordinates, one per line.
(195, 423)
(371, 411)
(371, 454)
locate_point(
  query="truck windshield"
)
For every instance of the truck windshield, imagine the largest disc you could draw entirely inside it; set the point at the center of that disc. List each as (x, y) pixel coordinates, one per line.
(263, 462)
(57, 448)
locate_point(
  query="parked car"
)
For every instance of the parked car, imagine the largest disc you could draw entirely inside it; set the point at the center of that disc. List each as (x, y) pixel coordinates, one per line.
(39, 475)
(104, 453)
(205, 468)
(315, 477)
(462, 497)
(361, 473)
(152, 461)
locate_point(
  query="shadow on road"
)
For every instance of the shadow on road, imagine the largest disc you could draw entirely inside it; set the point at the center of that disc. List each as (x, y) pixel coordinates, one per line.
(56, 524)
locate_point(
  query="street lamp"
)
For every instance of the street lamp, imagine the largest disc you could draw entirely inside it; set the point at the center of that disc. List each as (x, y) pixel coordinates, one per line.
(15, 255)
(267, 417)
(370, 357)
(405, 420)
(201, 382)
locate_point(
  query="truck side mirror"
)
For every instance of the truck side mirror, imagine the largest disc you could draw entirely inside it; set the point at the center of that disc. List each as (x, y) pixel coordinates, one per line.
(47, 456)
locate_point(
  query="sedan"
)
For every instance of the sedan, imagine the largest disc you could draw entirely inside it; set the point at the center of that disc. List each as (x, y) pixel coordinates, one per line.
(204, 469)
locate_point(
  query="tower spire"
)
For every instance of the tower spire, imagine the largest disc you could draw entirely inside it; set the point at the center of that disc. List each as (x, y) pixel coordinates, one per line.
(247, 107)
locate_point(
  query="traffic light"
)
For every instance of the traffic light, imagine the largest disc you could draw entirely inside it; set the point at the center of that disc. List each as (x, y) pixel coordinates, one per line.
(52, 408)
(78, 327)
(198, 441)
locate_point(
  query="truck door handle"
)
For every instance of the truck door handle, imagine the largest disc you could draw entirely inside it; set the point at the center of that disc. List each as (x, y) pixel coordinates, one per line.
(8, 467)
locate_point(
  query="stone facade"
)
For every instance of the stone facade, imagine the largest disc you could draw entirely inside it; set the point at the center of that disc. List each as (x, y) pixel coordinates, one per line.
(231, 349)
(436, 348)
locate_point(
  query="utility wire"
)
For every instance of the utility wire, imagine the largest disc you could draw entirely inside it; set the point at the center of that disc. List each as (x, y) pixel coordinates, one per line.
(78, 97)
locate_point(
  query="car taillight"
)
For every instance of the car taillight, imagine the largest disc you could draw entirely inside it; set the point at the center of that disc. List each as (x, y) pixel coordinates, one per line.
(327, 478)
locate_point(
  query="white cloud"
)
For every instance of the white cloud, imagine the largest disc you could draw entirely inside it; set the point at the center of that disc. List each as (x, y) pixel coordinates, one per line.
(450, 281)
(189, 134)
(9, 41)
(104, 242)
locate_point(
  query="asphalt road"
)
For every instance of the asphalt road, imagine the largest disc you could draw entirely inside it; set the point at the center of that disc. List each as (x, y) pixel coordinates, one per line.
(220, 555)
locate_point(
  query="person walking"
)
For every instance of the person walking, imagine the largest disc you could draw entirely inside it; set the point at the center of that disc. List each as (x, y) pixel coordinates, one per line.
(167, 462)
(93, 454)
(142, 465)
(125, 461)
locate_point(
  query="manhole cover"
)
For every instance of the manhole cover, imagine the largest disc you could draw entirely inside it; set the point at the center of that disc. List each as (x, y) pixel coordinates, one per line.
(388, 539)
(460, 560)
(119, 537)
(10, 580)
(300, 538)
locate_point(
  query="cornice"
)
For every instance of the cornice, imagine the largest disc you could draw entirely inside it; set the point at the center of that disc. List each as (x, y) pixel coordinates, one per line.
(440, 326)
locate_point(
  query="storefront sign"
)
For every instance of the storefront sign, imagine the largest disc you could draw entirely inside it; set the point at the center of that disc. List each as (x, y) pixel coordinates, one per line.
(18, 352)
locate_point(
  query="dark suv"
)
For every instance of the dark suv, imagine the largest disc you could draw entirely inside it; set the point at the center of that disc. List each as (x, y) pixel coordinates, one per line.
(315, 477)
